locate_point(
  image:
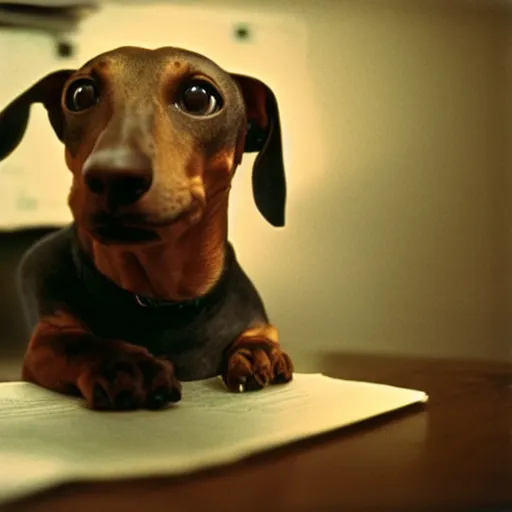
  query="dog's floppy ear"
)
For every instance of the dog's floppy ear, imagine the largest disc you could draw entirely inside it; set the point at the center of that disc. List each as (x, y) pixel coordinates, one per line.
(14, 118)
(264, 136)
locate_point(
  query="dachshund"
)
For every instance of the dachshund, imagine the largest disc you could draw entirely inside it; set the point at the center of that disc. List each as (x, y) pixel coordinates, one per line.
(142, 290)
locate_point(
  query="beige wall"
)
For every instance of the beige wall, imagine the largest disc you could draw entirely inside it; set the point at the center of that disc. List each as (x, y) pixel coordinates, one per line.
(398, 246)
(393, 115)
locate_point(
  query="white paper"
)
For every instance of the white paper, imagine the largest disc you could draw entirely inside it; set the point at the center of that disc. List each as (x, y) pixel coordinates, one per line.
(48, 438)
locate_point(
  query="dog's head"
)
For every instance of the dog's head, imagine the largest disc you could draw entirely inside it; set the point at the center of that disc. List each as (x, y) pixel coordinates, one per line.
(152, 137)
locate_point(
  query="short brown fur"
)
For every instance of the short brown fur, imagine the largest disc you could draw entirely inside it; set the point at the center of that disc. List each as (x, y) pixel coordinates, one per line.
(191, 164)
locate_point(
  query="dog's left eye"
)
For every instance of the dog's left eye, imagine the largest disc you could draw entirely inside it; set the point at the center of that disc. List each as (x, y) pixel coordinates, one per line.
(199, 98)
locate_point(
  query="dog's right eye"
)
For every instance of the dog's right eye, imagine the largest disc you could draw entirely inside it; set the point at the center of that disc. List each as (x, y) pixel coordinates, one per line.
(81, 95)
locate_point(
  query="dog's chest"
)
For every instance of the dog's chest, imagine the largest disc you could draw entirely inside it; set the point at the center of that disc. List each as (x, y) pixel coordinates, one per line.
(195, 340)
(194, 336)
(195, 344)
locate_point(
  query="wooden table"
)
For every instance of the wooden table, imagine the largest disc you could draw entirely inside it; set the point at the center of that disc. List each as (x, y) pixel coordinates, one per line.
(454, 454)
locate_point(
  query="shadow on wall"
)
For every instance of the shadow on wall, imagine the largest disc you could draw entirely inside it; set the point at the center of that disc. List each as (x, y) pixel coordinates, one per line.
(13, 333)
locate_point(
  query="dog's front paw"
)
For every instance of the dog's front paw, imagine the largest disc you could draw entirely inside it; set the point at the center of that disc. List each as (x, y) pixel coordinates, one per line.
(252, 367)
(130, 379)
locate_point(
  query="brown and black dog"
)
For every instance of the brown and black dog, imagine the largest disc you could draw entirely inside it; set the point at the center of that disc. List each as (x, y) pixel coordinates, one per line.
(143, 289)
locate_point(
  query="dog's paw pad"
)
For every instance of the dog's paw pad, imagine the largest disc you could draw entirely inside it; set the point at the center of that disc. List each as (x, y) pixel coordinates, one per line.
(130, 381)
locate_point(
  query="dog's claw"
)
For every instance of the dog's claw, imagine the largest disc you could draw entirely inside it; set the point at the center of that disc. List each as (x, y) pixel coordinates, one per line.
(124, 401)
(241, 386)
(156, 400)
(162, 397)
(100, 397)
(253, 384)
(174, 395)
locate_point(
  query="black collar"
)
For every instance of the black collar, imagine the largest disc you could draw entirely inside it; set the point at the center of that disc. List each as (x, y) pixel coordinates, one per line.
(109, 293)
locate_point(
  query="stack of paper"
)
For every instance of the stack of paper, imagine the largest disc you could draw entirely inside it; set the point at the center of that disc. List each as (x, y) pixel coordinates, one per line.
(48, 439)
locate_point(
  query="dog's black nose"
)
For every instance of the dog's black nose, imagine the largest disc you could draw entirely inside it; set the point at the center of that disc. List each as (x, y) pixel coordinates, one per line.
(119, 188)
(121, 179)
